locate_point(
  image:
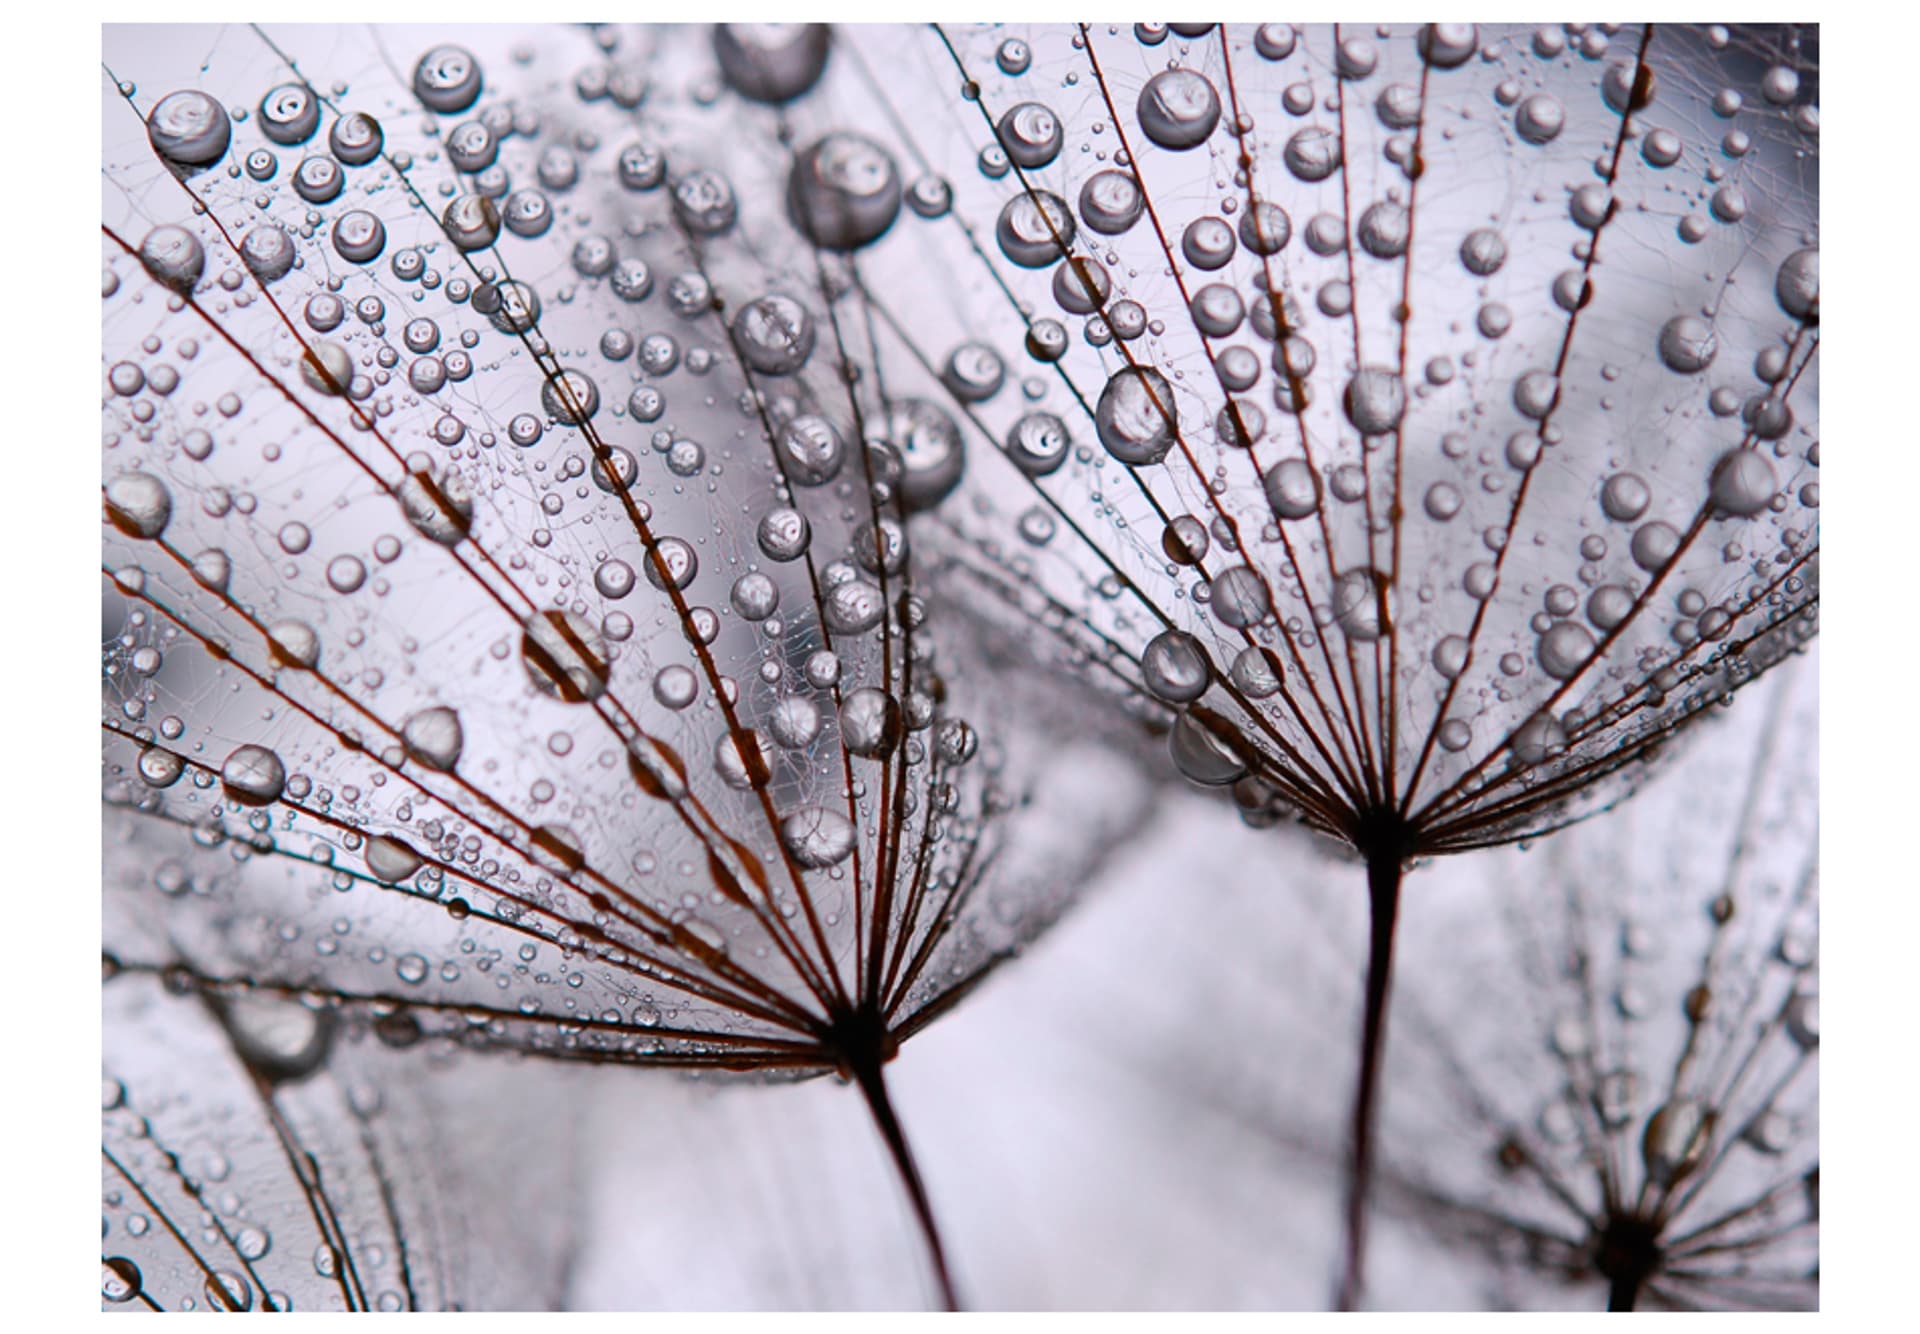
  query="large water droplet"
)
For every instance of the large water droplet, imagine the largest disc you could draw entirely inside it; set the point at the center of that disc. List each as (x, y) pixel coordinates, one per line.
(817, 837)
(433, 737)
(1136, 417)
(771, 62)
(844, 191)
(189, 130)
(565, 656)
(1175, 667)
(253, 776)
(1178, 109)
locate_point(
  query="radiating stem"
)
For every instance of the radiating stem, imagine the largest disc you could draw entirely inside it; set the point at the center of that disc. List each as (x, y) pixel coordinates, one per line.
(1623, 1293)
(873, 1085)
(1383, 900)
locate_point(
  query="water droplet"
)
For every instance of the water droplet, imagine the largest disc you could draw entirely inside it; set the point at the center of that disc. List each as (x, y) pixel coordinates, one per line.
(844, 191)
(1175, 667)
(1178, 109)
(565, 657)
(771, 62)
(173, 257)
(1540, 119)
(390, 860)
(189, 129)
(1136, 418)
(1564, 649)
(775, 334)
(1375, 400)
(1111, 202)
(1743, 483)
(433, 737)
(1797, 285)
(1038, 444)
(289, 114)
(447, 79)
(1676, 1140)
(817, 837)
(253, 776)
(1357, 605)
(139, 504)
(1034, 228)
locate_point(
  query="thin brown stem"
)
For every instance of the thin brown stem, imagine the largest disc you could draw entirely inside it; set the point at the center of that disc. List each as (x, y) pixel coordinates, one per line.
(867, 1072)
(1385, 866)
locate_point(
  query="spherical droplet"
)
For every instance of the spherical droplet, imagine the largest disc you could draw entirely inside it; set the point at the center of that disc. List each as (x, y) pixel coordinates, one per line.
(1356, 605)
(1201, 756)
(1031, 134)
(268, 252)
(1265, 228)
(1797, 285)
(932, 454)
(1033, 229)
(1540, 119)
(253, 776)
(1483, 252)
(704, 203)
(1312, 153)
(1111, 202)
(289, 114)
(565, 656)
(1240, 597)
(1375, 400)
(817, 837)
(1654, 545)
(1136, 417)
(433, 738)
(1293, 489)
(871, 725)
(974, 372)
(1038, 444)
(775, 334)
(1385, 229)
(844, 191)
(571, 397)
(356, 139)
(139, 504)
(189, 129)
(1175, 667)
(447, 79)
(1178, 109)
(391, 860)
(771, 62)
(1564, 649)
(1208, 243)
(784, 534)
(812, 450)
(472, 222)
(173, 257)
(1743, 483)
(1625, 496)
(1535, 393)
(1687, 344)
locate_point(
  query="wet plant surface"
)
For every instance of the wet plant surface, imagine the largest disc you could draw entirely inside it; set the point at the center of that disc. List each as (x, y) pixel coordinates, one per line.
(659, 546)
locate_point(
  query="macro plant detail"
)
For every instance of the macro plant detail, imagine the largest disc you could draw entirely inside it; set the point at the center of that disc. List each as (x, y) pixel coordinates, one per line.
(1622, 1109)
(619, 725)
(619, 541)
(250, 1163)
(1537, 485)
(164, 1159)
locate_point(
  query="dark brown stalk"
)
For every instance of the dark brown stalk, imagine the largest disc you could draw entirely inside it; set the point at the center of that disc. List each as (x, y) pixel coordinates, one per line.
(868, 1074)
(1623, 1293)
(1386, 852)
